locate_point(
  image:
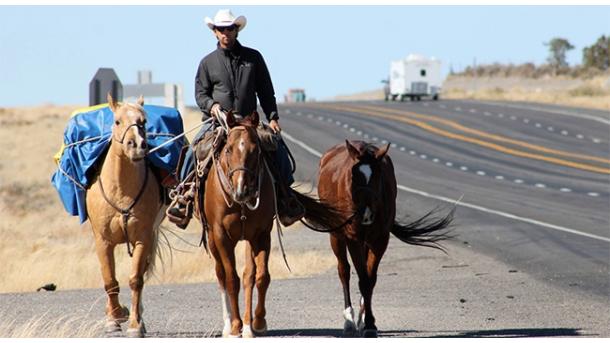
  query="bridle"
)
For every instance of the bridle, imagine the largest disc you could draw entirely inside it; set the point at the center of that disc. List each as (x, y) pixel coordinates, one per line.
(226, 184)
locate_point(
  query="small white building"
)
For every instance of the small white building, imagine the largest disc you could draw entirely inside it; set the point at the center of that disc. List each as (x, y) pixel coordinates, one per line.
(415, 77)
(166, 94)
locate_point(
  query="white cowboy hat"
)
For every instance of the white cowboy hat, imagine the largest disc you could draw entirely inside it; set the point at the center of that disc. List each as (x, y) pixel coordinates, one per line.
(226, 18)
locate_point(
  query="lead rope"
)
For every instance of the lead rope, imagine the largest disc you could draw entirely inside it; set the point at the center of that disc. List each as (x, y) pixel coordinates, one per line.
(126, 211)
(277, 216)
(169, 141)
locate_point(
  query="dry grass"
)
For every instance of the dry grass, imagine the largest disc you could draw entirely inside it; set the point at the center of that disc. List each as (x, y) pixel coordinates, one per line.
(588, 93)
(42, 244)
(51, 327)
(593, 92)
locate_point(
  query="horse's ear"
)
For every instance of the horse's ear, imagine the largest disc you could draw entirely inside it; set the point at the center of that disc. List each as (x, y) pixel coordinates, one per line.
(382, 151)
(231, 119)
(254, 119)
(141, 100)
(353, 151)
(112, 103)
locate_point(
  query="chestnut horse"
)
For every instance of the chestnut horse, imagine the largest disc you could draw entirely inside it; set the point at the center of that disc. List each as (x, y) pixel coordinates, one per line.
(239, 204)
(359, 179)
(124, 206)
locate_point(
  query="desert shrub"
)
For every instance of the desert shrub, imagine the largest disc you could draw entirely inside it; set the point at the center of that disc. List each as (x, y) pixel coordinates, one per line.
(586, 90)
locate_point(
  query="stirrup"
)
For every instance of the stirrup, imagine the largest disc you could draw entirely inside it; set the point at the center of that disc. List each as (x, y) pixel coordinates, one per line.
(290, 211)
(180, 212)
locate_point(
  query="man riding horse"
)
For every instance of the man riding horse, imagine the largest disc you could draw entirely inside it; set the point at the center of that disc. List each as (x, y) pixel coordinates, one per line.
(230, 78)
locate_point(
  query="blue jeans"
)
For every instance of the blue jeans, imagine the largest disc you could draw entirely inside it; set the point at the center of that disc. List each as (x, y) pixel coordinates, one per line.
(281, 158)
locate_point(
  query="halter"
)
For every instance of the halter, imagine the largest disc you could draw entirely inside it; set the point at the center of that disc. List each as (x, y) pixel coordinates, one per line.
(141, 127)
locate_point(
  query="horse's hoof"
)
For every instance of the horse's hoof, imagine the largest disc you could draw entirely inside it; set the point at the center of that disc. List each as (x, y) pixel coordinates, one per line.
(112, 326)
(349, 329)
(369, 333)
(137, 332)
(259, 327)
(124, 315)
(227, 334)
(247, 332)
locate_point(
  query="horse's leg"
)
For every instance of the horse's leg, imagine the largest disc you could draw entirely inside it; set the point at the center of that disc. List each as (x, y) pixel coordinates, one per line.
(115, 313)
(226, 256)
(220, 276)
(139, 264)
(357, 252)
(373, 258)
(248, 283)
(261, 251)
(339, 248)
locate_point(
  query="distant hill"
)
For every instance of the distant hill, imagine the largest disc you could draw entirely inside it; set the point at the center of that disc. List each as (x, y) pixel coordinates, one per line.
(590, 89)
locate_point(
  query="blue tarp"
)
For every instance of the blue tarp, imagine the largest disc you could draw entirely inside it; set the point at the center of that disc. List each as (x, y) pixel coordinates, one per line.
(86, 138)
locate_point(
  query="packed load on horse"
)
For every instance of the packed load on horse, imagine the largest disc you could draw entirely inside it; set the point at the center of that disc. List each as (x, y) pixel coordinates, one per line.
(87, 138)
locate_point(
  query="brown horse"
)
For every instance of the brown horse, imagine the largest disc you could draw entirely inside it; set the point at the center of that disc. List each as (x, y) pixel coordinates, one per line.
(359, 179)
(124, 206)
(239, 204)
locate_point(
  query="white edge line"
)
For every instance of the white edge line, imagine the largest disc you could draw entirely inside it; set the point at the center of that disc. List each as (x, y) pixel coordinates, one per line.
(500, 213)
(461, 203)
(302, 144)
(550, 110)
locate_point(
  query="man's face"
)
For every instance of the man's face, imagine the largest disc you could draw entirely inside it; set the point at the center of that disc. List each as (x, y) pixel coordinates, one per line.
(226, 35)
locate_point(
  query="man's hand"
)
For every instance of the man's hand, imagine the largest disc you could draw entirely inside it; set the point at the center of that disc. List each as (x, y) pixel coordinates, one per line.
(215, 110)
(275, 126)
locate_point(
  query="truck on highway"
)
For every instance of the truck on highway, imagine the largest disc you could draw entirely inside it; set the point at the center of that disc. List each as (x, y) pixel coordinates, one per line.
(414, 77)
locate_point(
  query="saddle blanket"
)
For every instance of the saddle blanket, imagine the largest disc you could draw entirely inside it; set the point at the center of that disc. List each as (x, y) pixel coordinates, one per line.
(87, 137)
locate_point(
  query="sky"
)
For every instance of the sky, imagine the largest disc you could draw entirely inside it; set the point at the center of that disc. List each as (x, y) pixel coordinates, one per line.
(49, 54)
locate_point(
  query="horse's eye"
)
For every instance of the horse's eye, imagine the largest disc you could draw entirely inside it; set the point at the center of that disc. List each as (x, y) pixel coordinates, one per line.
(117, 123)
(227, 151)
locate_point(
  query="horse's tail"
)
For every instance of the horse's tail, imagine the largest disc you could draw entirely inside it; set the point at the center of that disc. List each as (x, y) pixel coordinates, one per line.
(156, 252)
(426, 231)
(319, 215)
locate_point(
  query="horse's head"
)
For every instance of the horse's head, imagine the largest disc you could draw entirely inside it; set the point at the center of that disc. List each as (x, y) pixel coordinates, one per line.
(241, 157)
(129, 128)
(367, 180)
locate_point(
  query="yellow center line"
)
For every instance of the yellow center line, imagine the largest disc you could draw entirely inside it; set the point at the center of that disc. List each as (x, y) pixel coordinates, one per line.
(376, 112)
(495, 137)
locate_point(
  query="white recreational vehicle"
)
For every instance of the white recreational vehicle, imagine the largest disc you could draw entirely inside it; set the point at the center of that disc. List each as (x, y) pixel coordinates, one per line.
(414, 77)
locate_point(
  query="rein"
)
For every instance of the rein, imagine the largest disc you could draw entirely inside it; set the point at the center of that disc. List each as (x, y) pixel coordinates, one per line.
(126, 212)
(226, 187)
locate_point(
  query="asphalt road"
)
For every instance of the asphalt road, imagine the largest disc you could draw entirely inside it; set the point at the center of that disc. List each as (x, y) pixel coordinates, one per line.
(531, 254)
(547, 166)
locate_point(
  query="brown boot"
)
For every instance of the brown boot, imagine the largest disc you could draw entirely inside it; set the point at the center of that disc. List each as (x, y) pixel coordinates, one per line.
(180, 211)
(289, 208)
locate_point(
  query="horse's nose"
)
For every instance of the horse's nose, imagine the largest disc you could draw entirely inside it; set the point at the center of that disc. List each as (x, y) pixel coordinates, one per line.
(241, 192)
(368, 217)
(144, 145)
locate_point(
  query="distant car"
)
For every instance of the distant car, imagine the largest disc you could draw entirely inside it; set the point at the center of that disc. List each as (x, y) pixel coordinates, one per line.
(295, 95)
(415, 77)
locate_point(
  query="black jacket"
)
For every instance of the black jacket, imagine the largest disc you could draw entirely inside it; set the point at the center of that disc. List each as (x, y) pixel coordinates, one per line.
(216, 83)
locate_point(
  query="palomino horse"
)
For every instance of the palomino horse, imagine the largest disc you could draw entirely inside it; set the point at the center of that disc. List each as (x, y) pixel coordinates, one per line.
(124, 206)
(359, 179)
(239, 205)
